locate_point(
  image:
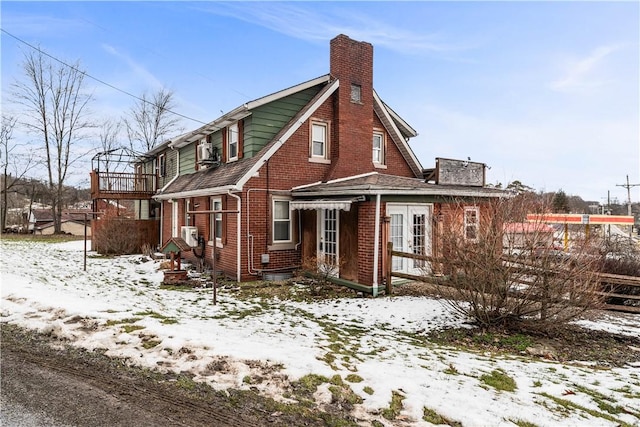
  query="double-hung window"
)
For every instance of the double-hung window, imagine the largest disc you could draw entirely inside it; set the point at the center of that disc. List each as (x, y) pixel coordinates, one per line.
(471, 223)
(319, 138)
(215, 227)
(281, 221)
(378, 148)
(162, 165)
(233, 136)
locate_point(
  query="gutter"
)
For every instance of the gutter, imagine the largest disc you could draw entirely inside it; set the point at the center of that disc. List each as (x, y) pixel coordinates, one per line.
(197, 193)
(238, 233)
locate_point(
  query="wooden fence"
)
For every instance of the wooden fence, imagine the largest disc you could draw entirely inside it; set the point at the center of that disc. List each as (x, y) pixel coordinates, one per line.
(137, 232)
(621, 293)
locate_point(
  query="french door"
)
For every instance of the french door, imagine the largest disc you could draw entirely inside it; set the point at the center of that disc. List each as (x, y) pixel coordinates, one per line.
(410, 231)
(328, 244)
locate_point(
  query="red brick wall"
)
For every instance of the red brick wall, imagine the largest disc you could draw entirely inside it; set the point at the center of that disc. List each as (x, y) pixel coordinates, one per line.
(350, 147)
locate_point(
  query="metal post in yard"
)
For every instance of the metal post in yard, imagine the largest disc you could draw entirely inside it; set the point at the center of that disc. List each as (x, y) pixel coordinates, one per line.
(213, 261)
(389, 289)
(85, 241)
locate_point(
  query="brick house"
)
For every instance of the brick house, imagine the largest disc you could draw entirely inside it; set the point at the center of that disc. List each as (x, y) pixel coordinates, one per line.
(321, 172)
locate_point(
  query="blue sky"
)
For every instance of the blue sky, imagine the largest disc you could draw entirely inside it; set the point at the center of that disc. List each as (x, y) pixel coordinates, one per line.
(542, 92)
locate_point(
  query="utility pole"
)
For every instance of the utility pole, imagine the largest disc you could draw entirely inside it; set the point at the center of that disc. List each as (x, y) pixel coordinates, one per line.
(628, 187)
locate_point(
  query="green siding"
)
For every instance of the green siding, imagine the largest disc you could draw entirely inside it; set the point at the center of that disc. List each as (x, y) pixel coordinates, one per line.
(267, 120)
(188, 158)
(259, 128)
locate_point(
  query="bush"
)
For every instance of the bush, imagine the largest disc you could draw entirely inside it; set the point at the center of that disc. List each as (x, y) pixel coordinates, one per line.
(497, 282)
(113, 235)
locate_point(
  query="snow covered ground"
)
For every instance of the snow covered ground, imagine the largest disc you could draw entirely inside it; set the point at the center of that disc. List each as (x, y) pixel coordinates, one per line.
(117, 305)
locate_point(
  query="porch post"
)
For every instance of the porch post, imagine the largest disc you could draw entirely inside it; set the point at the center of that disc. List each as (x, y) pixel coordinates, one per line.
(376, 247)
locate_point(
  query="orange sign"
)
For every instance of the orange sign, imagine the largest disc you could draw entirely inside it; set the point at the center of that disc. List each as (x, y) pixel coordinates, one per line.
(581, 219)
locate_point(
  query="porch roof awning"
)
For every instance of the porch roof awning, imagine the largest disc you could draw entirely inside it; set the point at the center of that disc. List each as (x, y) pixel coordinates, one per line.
(340, 204)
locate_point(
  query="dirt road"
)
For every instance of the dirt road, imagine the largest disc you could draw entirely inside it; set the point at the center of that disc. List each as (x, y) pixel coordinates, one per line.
(68, 387)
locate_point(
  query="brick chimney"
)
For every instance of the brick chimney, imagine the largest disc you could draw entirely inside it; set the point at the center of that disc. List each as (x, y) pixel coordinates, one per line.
(351, 62)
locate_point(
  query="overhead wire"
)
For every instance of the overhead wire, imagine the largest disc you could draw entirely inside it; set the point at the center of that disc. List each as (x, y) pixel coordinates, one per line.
(95, 78)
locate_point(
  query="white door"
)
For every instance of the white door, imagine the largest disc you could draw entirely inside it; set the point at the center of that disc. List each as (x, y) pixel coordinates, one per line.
(410, 231)
(328, 244)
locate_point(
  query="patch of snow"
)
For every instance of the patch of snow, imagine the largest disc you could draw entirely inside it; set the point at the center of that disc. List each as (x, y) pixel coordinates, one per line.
(117, 305)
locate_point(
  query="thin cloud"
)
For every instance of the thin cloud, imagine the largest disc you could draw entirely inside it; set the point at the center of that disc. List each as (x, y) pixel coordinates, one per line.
(581, 74)
(41, 25)
(310, 24)
(139, 70)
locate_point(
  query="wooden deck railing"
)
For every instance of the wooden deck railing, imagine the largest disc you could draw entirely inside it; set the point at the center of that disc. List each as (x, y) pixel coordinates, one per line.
(122, 185)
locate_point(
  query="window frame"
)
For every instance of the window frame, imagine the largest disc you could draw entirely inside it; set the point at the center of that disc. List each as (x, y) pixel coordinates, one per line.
(381, 151)
(326, 127)
(187, 216)
(288, 220)
(233, 129)
(214, 219)
(162, 164)
(474, 225)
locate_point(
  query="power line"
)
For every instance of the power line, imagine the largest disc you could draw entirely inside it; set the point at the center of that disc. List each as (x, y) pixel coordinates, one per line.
(95, 78)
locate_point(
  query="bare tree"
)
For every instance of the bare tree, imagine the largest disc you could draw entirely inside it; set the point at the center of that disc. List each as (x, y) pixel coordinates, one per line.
(510, 273)
(56, 108)
(151, 120)
(110, 143)
(14, 165)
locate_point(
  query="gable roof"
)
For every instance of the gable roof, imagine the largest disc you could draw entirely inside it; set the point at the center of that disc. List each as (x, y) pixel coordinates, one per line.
(243, 111)
(389, 119)
(233, 176)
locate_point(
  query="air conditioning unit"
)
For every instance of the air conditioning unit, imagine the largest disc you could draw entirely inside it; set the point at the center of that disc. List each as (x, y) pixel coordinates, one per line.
(190, 235)
(204, 152)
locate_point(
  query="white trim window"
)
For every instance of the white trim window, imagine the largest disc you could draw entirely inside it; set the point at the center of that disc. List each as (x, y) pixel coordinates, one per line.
(319, 140)
(471, 223)
(378, 148)
(187, 215)
(215, 221)
(162, 164)
(233, 135)
(281, 221)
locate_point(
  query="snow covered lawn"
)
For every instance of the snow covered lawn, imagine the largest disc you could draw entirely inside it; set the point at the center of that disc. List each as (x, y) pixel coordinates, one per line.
(374, 345)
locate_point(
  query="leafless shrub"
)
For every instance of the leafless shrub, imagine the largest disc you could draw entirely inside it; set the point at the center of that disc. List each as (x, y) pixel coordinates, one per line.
(114, 235)
(512, 273)
(320, 271)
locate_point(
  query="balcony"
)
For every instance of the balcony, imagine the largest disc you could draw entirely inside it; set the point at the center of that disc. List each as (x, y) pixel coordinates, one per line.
(122, 186)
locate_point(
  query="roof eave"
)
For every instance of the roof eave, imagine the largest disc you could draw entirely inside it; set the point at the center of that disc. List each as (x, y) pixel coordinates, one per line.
(197, 193)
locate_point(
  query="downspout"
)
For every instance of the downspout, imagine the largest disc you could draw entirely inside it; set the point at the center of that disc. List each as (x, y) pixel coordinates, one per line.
(376, 247)
(238, 233)
(161, 221)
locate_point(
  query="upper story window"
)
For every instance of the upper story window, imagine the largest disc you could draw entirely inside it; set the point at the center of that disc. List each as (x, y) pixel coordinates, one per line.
(471, 223)
(319, 141)
(378, 148)
(281, 221)
(356, 93)
(162, 164)
(233, 137)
